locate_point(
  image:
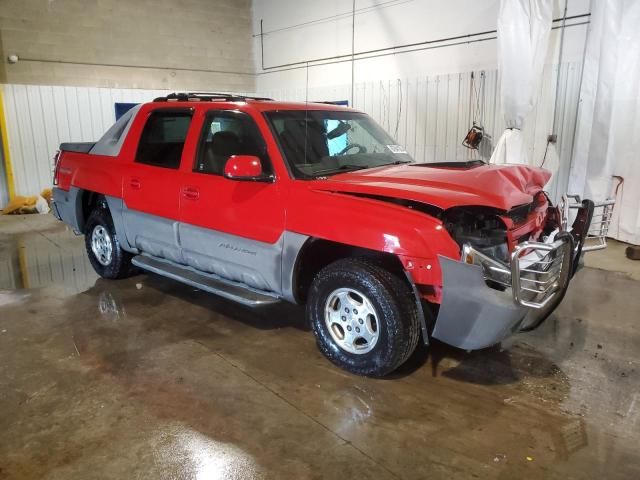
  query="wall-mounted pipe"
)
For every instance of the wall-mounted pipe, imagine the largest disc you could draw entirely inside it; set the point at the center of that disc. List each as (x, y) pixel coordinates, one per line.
(405, 48)
(145, 67)
(359, 11)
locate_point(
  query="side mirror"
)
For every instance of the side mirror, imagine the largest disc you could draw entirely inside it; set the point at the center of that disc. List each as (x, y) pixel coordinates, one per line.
(245, 167)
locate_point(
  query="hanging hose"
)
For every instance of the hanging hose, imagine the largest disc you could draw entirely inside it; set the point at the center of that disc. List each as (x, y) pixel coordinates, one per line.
(476, 133)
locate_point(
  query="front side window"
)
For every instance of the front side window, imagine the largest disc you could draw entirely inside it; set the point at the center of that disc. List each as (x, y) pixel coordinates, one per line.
(163, 138)
(325, 142)
(227, 133)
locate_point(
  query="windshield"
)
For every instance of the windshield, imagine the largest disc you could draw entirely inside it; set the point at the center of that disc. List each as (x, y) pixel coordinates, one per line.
(323, 142)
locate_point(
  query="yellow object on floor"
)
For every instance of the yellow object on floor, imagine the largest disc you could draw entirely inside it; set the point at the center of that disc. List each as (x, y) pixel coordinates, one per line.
(34, 204)
(20, 205)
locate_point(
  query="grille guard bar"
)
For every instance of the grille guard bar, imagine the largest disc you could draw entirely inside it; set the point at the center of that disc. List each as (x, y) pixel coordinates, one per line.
(599, 228)
(485, 300)
(563, 249)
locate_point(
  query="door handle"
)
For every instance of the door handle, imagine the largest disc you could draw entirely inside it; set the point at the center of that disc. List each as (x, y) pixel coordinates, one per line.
(135, 183)
(191, 193)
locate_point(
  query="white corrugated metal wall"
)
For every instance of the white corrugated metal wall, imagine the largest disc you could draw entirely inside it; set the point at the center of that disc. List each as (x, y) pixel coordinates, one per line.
(4, 187)
(39, 118)
(429, 115)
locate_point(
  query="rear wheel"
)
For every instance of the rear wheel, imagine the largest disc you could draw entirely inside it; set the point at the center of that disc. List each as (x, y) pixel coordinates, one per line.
(364, 318)
(106, 255)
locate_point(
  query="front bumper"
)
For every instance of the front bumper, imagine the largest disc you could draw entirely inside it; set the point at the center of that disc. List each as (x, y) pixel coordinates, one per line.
(485, 301)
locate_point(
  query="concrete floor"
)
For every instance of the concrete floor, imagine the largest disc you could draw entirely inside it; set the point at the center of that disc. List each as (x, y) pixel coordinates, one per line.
(146, 378)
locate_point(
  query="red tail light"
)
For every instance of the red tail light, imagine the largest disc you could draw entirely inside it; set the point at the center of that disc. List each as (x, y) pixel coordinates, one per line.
(56, 166)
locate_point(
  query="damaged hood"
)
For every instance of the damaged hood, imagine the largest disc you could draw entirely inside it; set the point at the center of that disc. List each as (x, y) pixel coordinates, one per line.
(499, 186)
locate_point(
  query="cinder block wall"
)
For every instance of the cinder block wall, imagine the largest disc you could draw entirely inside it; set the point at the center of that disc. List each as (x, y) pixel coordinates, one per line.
(189, 44)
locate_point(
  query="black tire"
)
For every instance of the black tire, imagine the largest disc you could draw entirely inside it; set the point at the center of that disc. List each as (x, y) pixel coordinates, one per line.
(119, 264)
(398, 325)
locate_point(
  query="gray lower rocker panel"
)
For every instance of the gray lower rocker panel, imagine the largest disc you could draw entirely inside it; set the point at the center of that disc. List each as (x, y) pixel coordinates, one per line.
(207, 282)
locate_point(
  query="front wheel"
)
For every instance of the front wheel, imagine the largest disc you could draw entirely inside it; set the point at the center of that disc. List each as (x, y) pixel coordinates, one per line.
(106, 255)
(364, 318)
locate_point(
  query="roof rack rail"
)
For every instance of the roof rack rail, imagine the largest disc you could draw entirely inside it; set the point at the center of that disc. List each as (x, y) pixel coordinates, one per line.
(206, 97)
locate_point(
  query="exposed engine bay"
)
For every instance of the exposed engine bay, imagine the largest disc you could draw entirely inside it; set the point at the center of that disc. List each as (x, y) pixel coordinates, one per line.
(479, 226)
(495, 233)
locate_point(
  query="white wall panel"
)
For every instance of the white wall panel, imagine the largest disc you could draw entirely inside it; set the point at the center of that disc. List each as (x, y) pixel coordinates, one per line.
(4, 190)
(304, 30)
(430, 115)
(39, 118)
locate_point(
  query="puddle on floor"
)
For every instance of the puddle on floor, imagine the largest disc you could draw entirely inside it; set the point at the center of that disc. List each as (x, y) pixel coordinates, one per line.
(48, 256)
(561, 402)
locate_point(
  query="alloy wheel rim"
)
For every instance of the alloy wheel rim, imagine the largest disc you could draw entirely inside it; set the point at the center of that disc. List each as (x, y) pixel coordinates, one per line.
(101, 245)
(352, 321)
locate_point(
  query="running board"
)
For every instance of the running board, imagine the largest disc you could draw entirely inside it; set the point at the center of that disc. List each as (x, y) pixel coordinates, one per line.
(207, 282)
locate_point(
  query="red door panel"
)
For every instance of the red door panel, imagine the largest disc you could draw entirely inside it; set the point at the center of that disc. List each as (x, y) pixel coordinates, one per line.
(253, 210)
(152, 190)
(247, 209)
(151, 181)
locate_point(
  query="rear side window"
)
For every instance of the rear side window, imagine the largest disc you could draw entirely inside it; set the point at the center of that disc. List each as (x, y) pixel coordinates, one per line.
(163, 138)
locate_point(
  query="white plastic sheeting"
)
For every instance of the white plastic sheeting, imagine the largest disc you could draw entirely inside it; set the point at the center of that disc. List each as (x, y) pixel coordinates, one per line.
(523, 35)
(607, 141)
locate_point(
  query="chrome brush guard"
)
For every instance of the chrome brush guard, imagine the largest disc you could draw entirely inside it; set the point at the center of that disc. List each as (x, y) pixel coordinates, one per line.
(539, 271)
(486, 299)
(599, 229)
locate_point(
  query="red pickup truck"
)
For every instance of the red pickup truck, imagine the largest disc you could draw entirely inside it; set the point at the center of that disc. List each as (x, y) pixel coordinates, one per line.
(261, 201)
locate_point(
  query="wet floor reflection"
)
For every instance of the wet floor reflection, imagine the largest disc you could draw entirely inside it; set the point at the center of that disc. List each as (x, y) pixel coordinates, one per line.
(201, 457)
(148, 378)
(511, 400)
(52, 256)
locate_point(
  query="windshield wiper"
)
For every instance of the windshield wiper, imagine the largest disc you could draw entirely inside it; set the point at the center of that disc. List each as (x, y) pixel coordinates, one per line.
(341, 168)
(397, 162)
